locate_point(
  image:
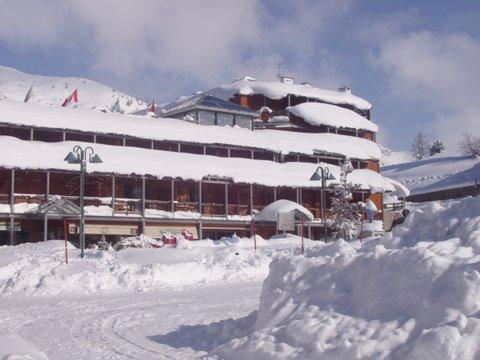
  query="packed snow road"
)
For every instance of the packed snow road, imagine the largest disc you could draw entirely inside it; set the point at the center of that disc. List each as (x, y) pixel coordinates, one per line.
(154, 325)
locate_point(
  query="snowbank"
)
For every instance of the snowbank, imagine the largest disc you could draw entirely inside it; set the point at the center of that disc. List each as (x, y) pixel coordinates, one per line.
(331, 115)
(39, 268)
(413, 294)
(278, 90)
(13, 347)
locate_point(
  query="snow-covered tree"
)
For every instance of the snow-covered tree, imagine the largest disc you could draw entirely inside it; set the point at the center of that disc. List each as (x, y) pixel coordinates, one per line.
(346, 215)
(436, 148)
(420, 146)
(469, 145)
(103, 244)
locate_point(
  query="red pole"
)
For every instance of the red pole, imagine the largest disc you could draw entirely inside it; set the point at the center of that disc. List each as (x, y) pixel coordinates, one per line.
(361, 228)
(254, 228)
(65, 236)
(302, 236)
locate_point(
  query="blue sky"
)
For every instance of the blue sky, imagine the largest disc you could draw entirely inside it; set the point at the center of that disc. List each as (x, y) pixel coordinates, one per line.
(416, 61)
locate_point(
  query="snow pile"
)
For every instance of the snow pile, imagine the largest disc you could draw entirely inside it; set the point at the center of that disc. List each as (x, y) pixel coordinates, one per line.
(390, 157)
(413, 294)
(140, 241)
(436, 173)
(50, 90)
(13, 347)
(331, 115)
(39, 268)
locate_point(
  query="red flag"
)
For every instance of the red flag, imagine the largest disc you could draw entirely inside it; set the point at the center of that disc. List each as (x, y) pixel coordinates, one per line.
(152, 107)
(73, 97)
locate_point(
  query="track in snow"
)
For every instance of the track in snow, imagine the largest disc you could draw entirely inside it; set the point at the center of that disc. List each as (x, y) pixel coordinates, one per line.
(160, 325)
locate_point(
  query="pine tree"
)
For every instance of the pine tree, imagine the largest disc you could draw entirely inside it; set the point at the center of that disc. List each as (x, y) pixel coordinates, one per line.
(420, 146)
(346, 215)
(436, 148)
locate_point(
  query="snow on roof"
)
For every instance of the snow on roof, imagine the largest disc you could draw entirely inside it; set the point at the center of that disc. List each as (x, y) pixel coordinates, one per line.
(400, 189)
(278, 90)
(283, 206)
(168, 129)
(129, 160)
(331, 115)
(436, 173)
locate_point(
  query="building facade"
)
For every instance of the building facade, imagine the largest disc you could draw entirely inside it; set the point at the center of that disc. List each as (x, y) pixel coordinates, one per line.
(167, 175)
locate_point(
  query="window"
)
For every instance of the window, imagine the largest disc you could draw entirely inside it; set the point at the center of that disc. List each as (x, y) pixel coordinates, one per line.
(206, 117)
(243, 121)
(224, 119)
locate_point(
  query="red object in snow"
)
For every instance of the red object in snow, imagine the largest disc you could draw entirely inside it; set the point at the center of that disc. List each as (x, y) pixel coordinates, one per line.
(169, 239)
(152, 107)
(73, 97)
(187, 234)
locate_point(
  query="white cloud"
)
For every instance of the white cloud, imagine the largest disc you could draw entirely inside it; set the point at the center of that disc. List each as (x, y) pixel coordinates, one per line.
(439, 73)
(200, 42)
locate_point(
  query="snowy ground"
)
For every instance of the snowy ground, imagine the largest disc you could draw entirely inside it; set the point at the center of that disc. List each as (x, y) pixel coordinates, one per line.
(411, 294)
(435, 173)
(165, 324)
(134, 303)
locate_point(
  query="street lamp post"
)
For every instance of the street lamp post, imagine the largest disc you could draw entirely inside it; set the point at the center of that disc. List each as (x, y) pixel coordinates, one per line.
(82, 156)
(324, 175)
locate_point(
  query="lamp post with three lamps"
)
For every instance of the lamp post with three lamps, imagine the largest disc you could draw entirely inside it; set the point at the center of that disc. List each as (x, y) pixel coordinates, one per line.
(81, 156)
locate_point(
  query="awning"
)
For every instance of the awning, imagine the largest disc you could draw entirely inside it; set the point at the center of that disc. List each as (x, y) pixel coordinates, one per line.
(156, 231)
(106, 229)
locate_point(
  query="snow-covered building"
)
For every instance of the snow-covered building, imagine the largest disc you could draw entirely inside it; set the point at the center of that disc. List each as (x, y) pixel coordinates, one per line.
(171, 174)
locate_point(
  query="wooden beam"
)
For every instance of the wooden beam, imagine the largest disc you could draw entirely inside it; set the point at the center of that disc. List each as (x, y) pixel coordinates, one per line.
(12, 190)
(113, 194)
(226, 200)
(172, 195)
(143, 197)
(251, 199)
(45, 227)
(12, 233)
(200, 204)
(47, 190)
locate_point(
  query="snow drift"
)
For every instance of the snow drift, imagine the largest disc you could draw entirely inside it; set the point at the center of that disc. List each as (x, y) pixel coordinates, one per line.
(413, 294)
(13, 347)
(39, 268)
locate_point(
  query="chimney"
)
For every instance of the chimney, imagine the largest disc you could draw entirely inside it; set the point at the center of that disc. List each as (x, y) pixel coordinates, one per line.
(345, 89)
(285, 78)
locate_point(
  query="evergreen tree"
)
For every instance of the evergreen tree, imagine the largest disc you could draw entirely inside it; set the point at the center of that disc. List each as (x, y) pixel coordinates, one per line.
(346, 215)
(436, 148)
(420, 146)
